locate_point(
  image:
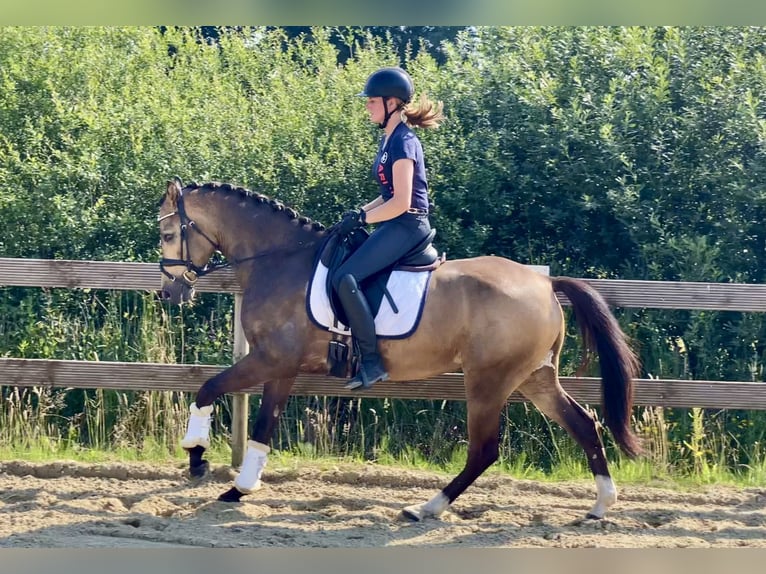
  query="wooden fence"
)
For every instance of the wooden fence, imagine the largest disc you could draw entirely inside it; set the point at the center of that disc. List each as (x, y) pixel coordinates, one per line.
(148, 376)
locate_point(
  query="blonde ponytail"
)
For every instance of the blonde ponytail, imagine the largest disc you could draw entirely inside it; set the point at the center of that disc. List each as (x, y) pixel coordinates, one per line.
(426, 114)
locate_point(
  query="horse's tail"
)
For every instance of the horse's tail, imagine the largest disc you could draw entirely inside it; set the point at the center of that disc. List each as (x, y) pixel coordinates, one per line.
(619, 365)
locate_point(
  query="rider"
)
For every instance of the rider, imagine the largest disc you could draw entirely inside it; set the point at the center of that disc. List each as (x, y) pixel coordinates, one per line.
(401, 209)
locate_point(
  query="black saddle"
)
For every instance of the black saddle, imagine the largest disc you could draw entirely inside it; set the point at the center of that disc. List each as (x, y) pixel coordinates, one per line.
(338, 248)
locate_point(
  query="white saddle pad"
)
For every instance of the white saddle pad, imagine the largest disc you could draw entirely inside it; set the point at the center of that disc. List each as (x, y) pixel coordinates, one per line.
(408, 290)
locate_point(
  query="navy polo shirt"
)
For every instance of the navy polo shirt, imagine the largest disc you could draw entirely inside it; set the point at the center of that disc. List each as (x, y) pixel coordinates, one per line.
(403, 143)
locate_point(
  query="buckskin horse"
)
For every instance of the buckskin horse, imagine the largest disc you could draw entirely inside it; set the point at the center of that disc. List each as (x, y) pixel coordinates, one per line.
(497, 321)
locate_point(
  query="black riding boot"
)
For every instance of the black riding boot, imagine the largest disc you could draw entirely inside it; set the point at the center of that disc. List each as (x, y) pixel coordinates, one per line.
(362, 323)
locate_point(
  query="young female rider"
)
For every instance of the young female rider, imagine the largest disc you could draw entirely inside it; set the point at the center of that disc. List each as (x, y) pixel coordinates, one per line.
(401, 209)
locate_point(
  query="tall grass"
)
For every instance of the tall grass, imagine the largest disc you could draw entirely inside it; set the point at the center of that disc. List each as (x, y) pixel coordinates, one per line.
(92, 326)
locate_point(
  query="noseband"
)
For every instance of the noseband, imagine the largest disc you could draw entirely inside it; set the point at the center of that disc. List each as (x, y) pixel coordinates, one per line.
(193, 272)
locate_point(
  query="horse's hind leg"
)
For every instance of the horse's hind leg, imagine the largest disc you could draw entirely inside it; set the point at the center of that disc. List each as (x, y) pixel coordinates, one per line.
(483, 449)
(544, 390)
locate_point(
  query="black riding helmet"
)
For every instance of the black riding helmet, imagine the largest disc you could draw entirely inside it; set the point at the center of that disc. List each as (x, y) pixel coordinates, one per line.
(387, 83)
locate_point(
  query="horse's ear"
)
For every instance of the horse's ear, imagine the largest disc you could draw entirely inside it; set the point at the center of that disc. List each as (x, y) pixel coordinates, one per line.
(174, 188)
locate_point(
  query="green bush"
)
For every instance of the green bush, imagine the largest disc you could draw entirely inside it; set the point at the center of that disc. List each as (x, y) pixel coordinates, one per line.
(630, 152)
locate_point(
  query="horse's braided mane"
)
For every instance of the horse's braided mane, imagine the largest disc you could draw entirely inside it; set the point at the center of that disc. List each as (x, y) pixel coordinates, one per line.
(276, 205)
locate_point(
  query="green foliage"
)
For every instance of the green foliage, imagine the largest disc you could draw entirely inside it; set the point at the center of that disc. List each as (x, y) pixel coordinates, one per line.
(630, 152)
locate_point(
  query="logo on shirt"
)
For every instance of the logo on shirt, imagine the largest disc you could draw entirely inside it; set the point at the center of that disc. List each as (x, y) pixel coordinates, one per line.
(382, 176)
(384, 157)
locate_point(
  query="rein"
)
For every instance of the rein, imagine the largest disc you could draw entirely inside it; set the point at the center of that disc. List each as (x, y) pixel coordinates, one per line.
(193, 271)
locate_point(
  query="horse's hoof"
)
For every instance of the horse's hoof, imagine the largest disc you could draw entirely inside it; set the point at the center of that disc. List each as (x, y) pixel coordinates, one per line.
(590, 516)
(412, 514)
(231, 495)
(200, 470)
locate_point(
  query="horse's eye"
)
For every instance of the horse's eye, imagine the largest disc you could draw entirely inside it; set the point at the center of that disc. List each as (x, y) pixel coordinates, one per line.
(167, 237)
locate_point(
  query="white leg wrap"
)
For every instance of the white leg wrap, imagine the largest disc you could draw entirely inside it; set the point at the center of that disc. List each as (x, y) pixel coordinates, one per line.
(607, 495)
(198, 428)
(249, 477)
(432, 508)
(436, 505)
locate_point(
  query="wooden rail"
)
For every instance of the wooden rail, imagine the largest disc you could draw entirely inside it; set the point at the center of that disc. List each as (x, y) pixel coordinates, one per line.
(146, 277)
(148, 376)
(58, 374)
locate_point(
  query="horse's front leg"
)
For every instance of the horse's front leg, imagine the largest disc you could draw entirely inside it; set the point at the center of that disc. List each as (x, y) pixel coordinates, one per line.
(246, 373)
(275, 395)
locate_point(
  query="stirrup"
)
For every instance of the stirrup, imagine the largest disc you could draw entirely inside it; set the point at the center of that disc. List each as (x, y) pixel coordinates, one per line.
(362, 381)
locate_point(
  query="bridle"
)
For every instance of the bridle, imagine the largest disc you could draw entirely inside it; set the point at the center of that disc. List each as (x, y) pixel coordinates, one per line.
(192, 272)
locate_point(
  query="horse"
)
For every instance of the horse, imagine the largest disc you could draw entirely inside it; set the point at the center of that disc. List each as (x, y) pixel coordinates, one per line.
(498, 321)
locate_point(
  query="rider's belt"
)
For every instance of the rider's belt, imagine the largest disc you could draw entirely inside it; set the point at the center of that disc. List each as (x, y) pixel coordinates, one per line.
(417, 211)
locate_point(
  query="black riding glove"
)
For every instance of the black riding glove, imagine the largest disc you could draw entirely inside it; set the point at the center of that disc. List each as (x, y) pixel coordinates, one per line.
(352, 220)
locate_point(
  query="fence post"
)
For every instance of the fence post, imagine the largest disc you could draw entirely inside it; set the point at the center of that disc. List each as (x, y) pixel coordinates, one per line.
(239, 406)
